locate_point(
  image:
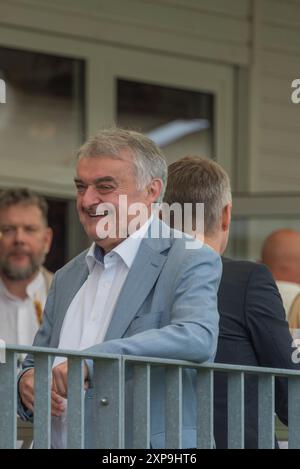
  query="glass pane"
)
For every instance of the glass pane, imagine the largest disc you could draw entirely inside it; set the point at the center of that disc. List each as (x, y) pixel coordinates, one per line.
(180, 121)
(42, 120)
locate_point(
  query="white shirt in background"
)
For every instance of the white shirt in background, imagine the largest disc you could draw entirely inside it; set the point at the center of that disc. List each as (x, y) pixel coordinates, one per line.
(18, 317)
(288, 292)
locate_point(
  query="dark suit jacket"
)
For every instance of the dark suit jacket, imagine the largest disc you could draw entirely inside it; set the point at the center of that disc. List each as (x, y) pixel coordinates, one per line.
(253, 331)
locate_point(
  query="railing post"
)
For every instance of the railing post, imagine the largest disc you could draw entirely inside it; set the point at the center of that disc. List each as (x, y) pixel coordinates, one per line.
(42, 400)
(266, 433)
(141, 406)
(75, 412)
(235, 401)
(8, 402)
(109, 403)
(205, 389)
(173, 400)
(294, 412)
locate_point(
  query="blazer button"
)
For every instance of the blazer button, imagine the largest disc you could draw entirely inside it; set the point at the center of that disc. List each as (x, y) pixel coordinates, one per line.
(104, 401)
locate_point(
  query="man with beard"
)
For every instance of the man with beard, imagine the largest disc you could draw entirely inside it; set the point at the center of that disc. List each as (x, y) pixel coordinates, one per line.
(25, 239)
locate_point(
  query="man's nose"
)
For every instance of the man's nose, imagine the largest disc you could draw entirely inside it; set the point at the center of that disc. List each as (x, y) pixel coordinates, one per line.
(19, 235)
(90, 197)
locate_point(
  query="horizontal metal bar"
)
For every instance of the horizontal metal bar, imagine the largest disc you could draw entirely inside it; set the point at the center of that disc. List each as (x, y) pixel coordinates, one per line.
(157, 361)
(59, 352)
(214, 366)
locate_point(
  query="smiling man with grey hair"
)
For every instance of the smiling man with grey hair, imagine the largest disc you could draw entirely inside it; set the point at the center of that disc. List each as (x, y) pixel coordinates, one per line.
(134, 295)
(147, 158)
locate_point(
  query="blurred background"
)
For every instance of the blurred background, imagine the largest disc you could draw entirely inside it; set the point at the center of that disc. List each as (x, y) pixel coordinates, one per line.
(207, 77)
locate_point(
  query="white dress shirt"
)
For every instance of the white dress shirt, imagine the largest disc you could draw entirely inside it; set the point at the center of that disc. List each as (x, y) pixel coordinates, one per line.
(288, 292)
(91, 310)
(18, 317)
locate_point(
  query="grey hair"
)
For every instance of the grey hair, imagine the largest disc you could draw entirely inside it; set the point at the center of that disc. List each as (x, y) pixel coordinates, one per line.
(193, 180)
(148, 160)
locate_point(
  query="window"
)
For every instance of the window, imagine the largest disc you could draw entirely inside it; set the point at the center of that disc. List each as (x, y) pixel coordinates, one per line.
(180, 121)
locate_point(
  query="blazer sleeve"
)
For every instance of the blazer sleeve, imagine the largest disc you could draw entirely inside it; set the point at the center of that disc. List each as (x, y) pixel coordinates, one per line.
(266, 321)
(193, 329)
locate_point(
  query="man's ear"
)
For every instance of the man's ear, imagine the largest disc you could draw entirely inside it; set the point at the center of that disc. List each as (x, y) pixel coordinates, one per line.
(48, 236)
(154, 189)
(226, 217)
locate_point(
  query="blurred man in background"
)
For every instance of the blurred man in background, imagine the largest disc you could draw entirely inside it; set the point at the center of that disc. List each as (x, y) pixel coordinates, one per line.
(253, 327)
(281, 253)
(25, 240)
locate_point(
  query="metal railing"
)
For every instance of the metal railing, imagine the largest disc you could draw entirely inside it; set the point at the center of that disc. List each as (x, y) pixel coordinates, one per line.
(109, 393)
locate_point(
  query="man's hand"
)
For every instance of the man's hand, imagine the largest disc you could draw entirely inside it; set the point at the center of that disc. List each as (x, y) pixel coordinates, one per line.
(26, 390)
(60, 378)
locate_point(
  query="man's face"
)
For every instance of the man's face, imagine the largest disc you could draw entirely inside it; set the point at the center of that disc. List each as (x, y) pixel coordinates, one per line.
(24, 241)
(102, 180)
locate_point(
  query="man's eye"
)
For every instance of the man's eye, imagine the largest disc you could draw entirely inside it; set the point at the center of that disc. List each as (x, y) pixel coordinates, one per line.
(7, 230)
(105, 188)
(31, 229)
(80, 187)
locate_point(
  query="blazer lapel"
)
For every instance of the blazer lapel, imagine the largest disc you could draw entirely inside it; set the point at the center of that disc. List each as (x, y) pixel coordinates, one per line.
(139, 282)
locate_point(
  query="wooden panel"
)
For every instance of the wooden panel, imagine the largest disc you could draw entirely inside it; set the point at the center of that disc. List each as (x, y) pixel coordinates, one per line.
(279, 64)
(230, 8)
(286, 142)
(281, 12)
(278, 117)
(158, 16)
(144, 25)
(278, 173)
(281, 39)
(234, 8)
(278, 90)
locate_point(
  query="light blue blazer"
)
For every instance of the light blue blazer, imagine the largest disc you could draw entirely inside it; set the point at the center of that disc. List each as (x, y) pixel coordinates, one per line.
(167, 308)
